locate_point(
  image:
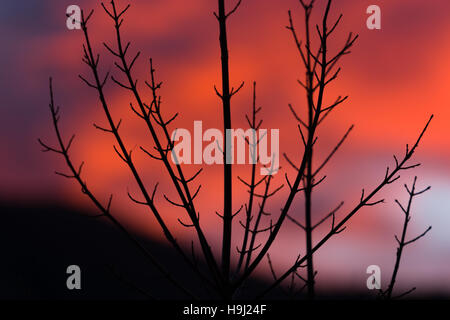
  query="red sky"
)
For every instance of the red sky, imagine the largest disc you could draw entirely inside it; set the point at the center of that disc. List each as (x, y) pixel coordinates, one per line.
(395, 77)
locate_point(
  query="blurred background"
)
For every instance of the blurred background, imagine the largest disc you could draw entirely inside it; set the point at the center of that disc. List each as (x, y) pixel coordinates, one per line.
(395, 77)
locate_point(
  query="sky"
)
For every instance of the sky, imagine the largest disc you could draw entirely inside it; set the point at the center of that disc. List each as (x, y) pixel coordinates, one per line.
(395, 77)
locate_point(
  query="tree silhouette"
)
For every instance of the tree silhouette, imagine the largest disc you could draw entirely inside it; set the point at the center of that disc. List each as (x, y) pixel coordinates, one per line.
(402, 242)
(318, 66)
(222, 277)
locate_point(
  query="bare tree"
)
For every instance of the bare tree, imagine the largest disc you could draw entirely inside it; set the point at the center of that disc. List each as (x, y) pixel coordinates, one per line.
(222, 277)
(320, 72)
(402, 242)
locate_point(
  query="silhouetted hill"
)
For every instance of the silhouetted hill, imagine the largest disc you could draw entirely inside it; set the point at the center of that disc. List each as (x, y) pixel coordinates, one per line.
(38, 242)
